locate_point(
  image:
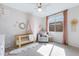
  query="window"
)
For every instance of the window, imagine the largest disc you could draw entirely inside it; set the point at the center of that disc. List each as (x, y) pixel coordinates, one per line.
(59, 26)
(51, 27)
(56, 22)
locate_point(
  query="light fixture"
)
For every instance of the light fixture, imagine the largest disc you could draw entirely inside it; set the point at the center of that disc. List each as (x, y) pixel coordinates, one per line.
(39, 7)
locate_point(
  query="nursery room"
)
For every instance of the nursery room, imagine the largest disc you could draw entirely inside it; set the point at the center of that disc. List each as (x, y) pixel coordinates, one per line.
(39, 29)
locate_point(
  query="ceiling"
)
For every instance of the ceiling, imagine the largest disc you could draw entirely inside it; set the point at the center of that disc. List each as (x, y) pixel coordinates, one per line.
(47, 9)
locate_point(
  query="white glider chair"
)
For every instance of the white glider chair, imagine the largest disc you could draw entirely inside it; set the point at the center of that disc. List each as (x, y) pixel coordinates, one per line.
(42, 37)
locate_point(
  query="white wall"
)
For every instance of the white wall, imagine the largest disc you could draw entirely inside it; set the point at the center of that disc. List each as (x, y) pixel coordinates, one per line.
(9, 24)
(73, 36)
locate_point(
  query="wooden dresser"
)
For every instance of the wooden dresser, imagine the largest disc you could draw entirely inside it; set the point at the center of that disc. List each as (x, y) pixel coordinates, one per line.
(23, 39)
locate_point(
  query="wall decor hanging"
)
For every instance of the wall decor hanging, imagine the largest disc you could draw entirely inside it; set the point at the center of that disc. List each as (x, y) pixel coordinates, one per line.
(74, 24)
(22, 26)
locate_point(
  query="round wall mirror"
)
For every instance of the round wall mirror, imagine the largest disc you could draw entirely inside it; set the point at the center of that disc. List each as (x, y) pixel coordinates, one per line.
(22, 26)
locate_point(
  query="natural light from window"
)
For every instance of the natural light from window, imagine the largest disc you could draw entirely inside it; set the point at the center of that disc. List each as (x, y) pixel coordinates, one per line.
(45, 49)
(50, 49)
